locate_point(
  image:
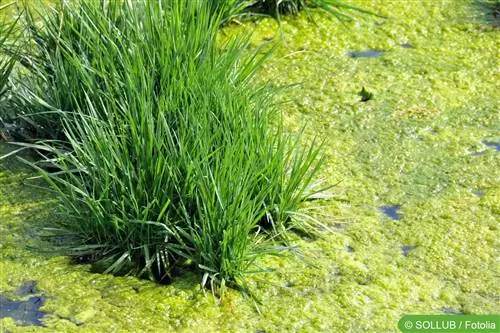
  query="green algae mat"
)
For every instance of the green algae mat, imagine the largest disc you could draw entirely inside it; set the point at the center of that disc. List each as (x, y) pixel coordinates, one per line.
(413, 215)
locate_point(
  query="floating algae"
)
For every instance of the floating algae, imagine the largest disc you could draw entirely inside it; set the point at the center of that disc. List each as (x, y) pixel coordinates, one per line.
(370, 289)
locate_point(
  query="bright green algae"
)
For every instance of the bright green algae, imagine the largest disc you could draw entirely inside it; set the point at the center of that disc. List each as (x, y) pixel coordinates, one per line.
(433, 105)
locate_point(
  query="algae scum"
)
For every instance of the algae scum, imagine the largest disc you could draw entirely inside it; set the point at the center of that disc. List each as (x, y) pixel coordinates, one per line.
(414, 212)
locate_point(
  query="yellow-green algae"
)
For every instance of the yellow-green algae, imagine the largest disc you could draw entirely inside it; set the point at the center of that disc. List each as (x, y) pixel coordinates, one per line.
(433, 105)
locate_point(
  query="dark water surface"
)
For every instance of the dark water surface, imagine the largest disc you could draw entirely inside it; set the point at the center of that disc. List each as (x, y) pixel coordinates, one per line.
(366, 54)
(391, 211)
(492, 144)
(406, 249)
(25, 313)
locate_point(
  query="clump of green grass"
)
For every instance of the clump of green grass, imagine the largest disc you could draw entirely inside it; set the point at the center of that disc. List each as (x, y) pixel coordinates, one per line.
(487, 11)
(167, 154)
(7, 59)
(45, 46)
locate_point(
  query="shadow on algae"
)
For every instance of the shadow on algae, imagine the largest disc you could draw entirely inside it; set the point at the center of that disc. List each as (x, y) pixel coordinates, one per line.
(411, 145)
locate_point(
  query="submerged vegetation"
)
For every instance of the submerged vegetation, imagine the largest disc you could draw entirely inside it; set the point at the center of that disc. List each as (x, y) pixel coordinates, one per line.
(163, 152)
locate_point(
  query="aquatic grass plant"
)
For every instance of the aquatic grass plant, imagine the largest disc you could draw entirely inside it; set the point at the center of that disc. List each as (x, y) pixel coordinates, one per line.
(487, 11)
(9, 55)
(43, 48)
(7, 58)
(163, 152)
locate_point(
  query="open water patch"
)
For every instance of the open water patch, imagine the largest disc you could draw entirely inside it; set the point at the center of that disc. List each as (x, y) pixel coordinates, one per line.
(24, 312)
(406, 249)
(489, 144)
(407, 46)
(492, 144)
(366, 54)
(392, 211)
(478, 193)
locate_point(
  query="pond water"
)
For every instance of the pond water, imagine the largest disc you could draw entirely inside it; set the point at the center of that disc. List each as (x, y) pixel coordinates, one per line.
(492, 144)
(406, 249)
(478, 193)
(24, 312)
(392, 211)
(440, 91)
(366, 54)
(407, 45)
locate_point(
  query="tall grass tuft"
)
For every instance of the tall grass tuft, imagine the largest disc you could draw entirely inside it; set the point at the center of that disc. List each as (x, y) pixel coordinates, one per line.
(166, 154)
(487, 11)
(7, 58)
